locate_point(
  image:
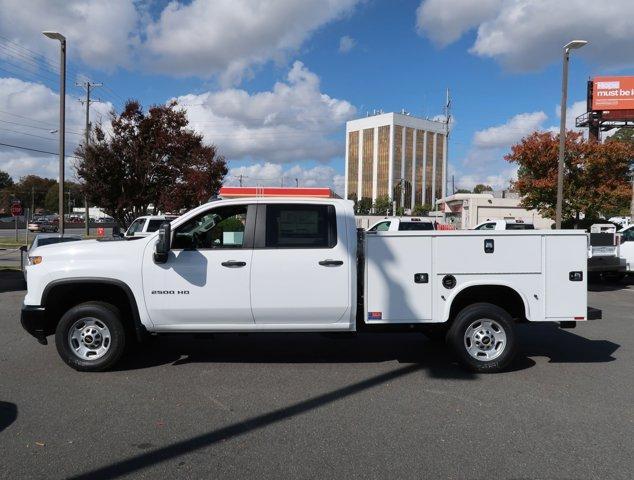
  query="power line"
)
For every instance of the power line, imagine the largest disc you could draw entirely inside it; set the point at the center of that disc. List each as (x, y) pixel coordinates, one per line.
(20, 147)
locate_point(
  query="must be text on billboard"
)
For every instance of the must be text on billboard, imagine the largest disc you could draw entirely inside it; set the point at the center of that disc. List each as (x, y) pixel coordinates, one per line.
(613, 93)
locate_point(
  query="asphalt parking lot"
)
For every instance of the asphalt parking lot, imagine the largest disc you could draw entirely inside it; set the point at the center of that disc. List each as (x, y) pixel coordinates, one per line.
(307, 406)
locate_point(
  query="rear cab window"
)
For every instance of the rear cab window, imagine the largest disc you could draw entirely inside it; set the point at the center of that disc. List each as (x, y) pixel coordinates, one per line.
(409, 226)
(299, 226)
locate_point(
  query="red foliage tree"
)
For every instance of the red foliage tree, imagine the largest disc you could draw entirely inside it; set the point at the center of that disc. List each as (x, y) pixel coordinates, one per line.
(595, 174)
(148, 159)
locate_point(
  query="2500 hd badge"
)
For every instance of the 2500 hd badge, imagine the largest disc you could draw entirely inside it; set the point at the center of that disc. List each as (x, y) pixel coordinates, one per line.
(170, 292)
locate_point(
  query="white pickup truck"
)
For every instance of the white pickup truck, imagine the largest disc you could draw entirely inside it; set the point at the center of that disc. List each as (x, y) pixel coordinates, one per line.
(291, 265)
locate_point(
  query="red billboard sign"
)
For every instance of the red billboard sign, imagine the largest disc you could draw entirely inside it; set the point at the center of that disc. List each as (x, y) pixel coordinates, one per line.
(613, 93)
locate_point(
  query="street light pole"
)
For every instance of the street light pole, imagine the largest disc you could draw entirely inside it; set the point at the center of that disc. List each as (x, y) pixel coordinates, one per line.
(562, 129)
(62, 121)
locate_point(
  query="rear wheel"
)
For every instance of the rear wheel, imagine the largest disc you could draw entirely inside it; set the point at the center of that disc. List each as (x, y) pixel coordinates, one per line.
(90, 337)
(483, 338)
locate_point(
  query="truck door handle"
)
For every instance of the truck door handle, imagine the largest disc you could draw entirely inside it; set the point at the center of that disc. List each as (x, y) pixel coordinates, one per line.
(233, 264)
(331, 263)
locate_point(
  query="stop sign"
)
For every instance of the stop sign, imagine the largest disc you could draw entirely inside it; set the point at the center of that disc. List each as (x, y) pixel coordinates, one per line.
(16, 209)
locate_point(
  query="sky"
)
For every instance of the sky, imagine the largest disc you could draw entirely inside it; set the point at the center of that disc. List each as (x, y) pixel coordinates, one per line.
(272, 82)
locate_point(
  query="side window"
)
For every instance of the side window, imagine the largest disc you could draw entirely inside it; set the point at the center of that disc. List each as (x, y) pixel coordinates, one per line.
(221, 227)
(416, 226)
(486, 226)
(136, 226)
(300, 226)
(628, 236)
(381, 227)
(153, 225)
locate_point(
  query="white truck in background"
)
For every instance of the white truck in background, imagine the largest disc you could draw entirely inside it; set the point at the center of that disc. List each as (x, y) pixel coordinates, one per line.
(299, 265)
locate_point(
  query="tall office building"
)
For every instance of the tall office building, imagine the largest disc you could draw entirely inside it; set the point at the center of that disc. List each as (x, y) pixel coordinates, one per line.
(397, 155)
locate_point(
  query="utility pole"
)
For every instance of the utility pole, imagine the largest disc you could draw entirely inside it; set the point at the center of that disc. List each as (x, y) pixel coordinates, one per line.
(297, 183)
(32, 203)
(240, 179)
(87, 86)
(447, 120)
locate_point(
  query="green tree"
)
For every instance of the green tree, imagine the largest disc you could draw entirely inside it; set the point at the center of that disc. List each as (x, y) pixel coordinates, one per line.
(364, 206)
(462, 190)
(150, 158)
(5, 180)
(421, 210)
(382, 205)
(72, 191)
(481, 188)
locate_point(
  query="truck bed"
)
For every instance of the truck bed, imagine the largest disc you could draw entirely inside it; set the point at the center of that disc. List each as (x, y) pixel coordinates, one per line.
(414, 277)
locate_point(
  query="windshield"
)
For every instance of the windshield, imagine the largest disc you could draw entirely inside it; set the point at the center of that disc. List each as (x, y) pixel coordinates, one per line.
(153, 225)
(136, 226)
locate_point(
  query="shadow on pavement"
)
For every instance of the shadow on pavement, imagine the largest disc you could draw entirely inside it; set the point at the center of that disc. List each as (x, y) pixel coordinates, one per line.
(11, 281)
(297, 348)
(8, 414)
(564, 346)
(610, 286)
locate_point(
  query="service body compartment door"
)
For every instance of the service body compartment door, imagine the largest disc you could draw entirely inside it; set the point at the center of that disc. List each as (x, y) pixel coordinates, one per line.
(398, 273)
(566, 294)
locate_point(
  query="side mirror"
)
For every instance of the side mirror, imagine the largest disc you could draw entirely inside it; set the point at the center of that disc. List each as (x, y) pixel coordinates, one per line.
(164, 243)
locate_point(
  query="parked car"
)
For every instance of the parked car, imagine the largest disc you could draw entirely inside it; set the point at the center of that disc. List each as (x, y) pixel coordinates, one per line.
(299, 265)
(506, 224)
(143, 226)
(396, 224)
(44, 239)
(626, 250)
(604, 257)
(42, 225)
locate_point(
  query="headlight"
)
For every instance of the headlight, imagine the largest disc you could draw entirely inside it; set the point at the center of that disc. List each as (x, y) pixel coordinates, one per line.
(35, 260)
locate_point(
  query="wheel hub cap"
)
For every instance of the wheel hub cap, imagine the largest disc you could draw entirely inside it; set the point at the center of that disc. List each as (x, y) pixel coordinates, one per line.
(485, 339)
(89, 338)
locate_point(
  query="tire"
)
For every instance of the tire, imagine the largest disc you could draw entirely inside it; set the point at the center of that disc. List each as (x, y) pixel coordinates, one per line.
(90, 337)
(483, 338)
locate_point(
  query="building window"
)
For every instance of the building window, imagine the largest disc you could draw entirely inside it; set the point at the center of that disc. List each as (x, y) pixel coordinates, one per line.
(383, 167)
(353, 162)
(420, 165)
(368, 160)
(409, 154)
(429, 168)
(398, 154)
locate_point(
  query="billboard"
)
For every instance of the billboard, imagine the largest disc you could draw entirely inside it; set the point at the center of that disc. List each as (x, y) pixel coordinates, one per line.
(613, 93)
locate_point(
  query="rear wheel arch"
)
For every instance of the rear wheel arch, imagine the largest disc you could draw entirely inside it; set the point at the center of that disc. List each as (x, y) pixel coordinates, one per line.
(61, 295)
(501, 295)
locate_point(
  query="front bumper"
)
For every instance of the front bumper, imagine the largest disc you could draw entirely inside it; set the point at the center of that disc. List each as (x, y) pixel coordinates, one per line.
(33, 320)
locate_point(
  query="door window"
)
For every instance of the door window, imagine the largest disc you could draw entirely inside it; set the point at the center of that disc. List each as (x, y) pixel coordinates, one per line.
(300, 226)
(136, 226)
(486, 226)
(628, 236)
(221, 227)
(153, 225)
(381, 227)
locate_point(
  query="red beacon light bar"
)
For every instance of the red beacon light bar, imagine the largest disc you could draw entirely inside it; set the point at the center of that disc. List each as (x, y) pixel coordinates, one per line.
(236, 192)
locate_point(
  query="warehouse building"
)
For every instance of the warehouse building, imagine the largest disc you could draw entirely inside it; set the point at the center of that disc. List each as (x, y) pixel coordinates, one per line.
(396, 155)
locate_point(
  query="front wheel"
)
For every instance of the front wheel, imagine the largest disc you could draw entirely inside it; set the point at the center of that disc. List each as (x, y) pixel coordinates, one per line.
(90, 337)
(483, 338)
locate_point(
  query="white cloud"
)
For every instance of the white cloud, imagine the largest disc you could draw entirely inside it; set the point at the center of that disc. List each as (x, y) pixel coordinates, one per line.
(529, 34)
(292, 122)
(512, 131)
(28, 114)
(274, 175)
(499, 181)
(102, 34)
(231, 36)
(346, 44)
(446, 21)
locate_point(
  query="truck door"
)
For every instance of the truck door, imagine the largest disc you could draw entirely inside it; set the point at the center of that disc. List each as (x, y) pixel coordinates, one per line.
(300, 271)
(205, 280)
